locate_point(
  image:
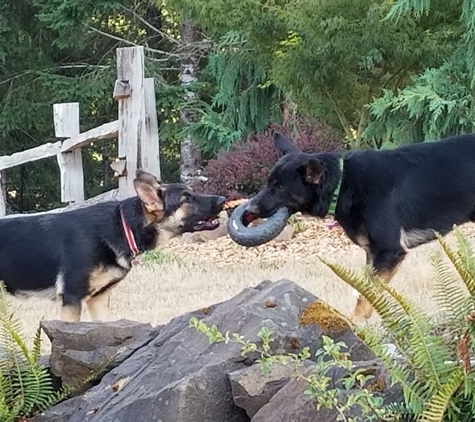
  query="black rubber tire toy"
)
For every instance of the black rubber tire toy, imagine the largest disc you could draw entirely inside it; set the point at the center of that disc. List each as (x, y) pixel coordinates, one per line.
(257, 235)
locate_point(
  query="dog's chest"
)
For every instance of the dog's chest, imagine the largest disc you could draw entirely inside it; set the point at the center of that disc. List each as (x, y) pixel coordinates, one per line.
(104, 277)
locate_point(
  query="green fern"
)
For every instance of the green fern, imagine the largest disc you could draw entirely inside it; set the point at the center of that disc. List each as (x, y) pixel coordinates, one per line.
(26, 387)
(440, 402)
(437, 384)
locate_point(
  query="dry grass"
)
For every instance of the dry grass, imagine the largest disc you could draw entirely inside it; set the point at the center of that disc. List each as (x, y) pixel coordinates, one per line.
(158, 293)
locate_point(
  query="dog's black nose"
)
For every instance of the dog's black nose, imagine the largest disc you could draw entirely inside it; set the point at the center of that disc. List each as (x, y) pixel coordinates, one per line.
(220, 201)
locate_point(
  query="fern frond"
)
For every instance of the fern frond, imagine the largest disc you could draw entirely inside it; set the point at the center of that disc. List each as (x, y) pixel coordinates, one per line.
(461, 265)
(25, 386)
(34, 356)
(449, 295)
(436, 408)
(415, 393)
(466, 255)
(428, 352)
(363, 285)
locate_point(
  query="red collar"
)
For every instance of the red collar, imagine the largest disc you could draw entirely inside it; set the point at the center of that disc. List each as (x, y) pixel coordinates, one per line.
(130, 236)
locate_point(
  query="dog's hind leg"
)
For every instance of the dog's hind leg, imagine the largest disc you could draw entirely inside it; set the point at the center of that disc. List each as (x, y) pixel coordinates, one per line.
(363, 309)
(72, 291)
(386, 264)
(99, 306)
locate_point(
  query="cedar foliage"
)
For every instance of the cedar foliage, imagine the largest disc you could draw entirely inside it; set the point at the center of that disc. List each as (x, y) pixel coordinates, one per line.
(438, 101)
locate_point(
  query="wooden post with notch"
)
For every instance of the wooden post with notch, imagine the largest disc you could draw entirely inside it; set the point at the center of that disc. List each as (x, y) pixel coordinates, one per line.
(129, 92)
(150, 143)
(66, 125)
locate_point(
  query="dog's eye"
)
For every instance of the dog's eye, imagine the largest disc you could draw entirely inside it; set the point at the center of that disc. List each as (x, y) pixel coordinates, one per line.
(280, 188)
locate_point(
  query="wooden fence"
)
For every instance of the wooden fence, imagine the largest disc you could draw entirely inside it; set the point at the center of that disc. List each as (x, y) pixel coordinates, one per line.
(136, 129)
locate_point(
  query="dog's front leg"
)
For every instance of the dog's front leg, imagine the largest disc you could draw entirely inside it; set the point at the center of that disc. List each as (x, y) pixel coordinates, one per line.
(70, 312)
(99, 306)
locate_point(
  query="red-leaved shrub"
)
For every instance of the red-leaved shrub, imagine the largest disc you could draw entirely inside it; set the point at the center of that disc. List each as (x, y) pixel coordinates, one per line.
(241, 173)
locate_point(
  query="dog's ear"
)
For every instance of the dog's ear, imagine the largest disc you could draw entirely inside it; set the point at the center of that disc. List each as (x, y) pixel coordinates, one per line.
(150, 191)
(147, 178)
(283, 145)
(313, 170)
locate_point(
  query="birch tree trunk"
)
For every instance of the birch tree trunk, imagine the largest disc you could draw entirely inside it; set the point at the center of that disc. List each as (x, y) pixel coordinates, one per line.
(3, 193)
(190, 156)
(3, 190)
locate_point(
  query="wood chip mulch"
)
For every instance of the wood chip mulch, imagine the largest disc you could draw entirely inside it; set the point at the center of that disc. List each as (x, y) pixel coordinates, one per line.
(313, 237)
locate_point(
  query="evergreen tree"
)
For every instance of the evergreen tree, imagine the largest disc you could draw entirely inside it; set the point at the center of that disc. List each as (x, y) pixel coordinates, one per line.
(439, 100)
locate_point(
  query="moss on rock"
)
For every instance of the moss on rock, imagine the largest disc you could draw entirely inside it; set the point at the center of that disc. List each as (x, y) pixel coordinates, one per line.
(326, 317)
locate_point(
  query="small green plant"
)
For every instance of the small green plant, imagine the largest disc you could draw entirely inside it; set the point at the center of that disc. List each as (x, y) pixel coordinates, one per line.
(297, 224)
(157, 257)
(434, 370)
(320, 383)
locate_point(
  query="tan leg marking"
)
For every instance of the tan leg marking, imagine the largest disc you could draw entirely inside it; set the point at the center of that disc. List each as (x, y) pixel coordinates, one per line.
(99, 306)
(70, 313)
(363, 309)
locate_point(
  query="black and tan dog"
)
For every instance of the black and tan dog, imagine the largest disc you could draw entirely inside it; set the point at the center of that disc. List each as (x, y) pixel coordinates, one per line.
(389, 201)
(80, 254)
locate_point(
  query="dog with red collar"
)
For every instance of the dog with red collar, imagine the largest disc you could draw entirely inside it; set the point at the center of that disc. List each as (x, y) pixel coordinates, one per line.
(78, 256)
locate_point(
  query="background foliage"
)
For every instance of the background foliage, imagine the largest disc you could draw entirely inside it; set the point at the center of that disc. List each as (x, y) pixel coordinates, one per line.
(242, 172)
(380, 73)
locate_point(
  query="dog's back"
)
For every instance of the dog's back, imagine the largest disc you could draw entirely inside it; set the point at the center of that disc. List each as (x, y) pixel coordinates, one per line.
(420, 186)
(33, 249)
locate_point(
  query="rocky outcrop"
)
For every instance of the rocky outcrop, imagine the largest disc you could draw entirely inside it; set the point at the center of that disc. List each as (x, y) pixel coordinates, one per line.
(176, 375)
(77, 350)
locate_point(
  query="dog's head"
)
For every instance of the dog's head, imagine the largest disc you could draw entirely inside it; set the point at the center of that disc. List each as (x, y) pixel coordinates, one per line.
(298, 181)
(174, 207)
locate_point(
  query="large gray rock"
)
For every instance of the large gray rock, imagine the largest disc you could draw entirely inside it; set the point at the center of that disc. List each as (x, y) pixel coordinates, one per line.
(291, 404)
(252, 388)
(61, 412)
(78, 349)
(179, 376)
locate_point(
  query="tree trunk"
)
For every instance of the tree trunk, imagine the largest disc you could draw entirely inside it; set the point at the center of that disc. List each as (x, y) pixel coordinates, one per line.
(3, 190)
(3, 193)
(190, 157)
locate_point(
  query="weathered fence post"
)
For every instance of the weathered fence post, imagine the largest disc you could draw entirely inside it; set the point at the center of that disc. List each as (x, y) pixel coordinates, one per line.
(129, 92)
(150, 142)
(66, 125)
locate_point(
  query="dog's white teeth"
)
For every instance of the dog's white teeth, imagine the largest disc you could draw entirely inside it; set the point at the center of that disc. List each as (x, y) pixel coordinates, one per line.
(215, 221)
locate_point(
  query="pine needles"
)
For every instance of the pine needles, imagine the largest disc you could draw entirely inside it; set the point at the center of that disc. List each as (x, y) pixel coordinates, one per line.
(434, 370)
